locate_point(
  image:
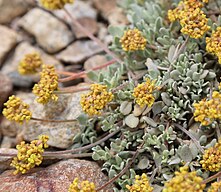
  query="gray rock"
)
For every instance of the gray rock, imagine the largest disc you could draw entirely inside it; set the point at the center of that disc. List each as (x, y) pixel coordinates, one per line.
(5, 88)
(11, 9)
(57, 177)
(60, 134)
(11, 66)
(8, 128)
(8, 39)
(79, 51)
(50, 33)
(8, 142)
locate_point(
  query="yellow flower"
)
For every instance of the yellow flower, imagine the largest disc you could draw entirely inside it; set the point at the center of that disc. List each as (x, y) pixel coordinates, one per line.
(29, 155)
(208, 111)
(213, 43)
(133, 40)
(94, 101)
(143, 93)
(30, 64)
(47, 85)
(194, 23)
(84, 186)
(212, 158)
(141, 184)
(16, 110)
(55, 4)
(184, 181)
(215, 187)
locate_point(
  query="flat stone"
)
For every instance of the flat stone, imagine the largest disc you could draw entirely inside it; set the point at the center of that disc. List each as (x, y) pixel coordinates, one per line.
(8, 39)
(56, 178)
(5, 88)
(8, 128)
(78, 10)
(11, 9)
(5, 161)
(117, 17)
(50, 33)
(61, 134)
(88, 23)
(11, 66)
(8, 142)
(79, 51)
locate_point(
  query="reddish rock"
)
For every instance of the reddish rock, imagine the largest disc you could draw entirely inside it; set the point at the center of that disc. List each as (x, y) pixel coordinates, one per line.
(55, 178)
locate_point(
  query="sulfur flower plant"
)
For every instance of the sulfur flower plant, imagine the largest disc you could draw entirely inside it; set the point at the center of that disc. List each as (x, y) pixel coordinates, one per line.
(84, 186)
(47, 85)
(215, 187)
(16, 110)
(55, 4)
(29, 155)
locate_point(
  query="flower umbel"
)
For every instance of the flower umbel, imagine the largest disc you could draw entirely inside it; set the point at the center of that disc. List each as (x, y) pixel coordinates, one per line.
(213, 43)
(30, 64)
(143, 93)
(94, 101)
(47, 85)
(215, 187)
(194, 23)
(16, 110)
(84, 186)
(133, 40)
(212, 158)
(208, 111)
(55, 4)
(141, 184)
(184, 181)
(29, 155)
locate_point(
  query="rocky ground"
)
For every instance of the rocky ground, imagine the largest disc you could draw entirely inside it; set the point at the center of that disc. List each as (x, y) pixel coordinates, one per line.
(24, 28)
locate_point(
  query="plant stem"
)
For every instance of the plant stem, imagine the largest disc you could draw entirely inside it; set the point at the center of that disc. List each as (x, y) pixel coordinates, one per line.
(49, 153)
(217, 175)
(68, 156)
(92, 37)
(80, 74)
(53, 120)
(124, 170)
(191, 136)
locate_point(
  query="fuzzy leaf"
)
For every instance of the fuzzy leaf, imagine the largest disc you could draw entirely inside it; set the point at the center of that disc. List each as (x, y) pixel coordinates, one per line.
(132, 121)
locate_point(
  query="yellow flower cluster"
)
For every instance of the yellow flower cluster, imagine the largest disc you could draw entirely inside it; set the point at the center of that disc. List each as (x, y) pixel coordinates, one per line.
(29, 155)
(194, 23)
(84, 186)
(191, 17)
(143, 93)
(212, 158)
(30, 64)
(16, 110)
(47, 85)
(184, 181)
(133, 40)
(55, 4)
(215, 187)
(141, 184)
(208, 111)
(96, 99)
(213, 43)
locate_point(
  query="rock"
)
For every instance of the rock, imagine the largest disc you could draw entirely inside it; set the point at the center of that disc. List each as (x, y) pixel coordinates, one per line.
(8, 128)
(8, 39)
(78, 9)
(117, 17)
(81, 49)
(105, 7)
(5, 88)
(88, 23)
(8, 142)
(11, 9)
(50, 33)
(61, 134)
(5, 161)
(92, 62)
(56, 178)
(103, 34)
(11, 66)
